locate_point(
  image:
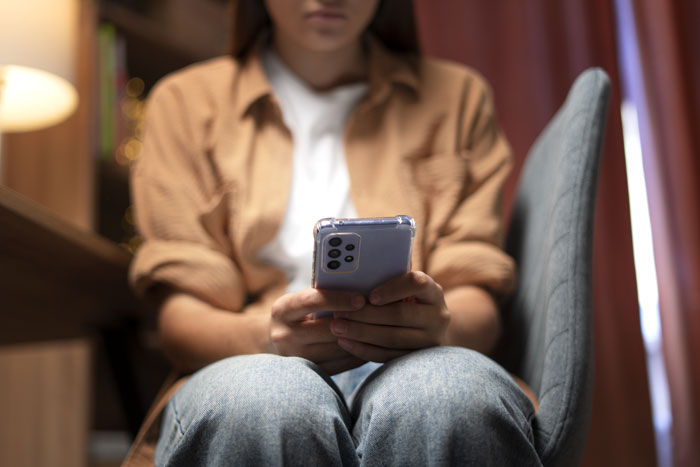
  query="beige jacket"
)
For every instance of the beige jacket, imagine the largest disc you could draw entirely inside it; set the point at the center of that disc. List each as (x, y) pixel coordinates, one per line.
(211, 186)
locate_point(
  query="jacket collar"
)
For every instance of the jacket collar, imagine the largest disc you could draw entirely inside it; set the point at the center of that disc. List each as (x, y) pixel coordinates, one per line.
(386, 69)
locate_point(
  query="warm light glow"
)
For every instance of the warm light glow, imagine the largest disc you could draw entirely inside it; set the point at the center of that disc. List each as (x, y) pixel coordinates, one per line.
(135, 87)
(37, 62)
(33, 99)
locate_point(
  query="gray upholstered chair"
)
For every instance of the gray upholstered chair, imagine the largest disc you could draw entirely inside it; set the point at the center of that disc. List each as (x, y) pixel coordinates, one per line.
(548, 324)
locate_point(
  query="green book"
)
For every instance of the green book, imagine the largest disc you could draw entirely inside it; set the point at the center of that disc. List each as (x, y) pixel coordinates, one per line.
(107, 89)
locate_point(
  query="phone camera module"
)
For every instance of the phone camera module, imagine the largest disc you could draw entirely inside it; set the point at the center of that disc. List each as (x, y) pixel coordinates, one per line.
(349, 247)
(335, 241)
(333, 264)
(349, 259)
(334, 253)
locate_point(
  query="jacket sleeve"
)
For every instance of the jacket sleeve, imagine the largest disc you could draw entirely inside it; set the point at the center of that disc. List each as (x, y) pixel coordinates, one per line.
(179, 214)
(468, 249)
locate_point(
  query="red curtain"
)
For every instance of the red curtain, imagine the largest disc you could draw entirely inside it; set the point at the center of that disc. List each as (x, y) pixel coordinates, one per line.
(531, 52)
(670, 59)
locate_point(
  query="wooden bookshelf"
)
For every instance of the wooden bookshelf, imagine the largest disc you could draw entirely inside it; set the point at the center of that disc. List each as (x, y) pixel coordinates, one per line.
(160, 37)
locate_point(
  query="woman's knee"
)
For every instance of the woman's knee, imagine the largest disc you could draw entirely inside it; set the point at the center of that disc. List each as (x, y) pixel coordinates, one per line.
(444, 406)
(445, 388)
(257, 409)
(252, 391)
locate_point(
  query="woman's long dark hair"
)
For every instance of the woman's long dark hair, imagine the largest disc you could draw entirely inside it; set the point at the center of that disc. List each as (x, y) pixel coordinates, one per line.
(394, 24)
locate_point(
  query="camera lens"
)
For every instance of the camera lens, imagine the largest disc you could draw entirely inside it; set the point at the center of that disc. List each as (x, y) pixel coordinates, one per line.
(348, 259)
(335, 241)
(333, 264)
(334, 253)
(349, 247)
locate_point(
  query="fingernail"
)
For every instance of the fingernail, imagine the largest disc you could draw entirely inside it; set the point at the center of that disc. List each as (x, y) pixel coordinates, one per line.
(374, 298)
(344, 343)
(358, 301)
(339, 327)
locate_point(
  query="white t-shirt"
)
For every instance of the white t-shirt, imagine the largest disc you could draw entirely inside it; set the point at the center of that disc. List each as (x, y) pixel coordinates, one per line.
(320, 184)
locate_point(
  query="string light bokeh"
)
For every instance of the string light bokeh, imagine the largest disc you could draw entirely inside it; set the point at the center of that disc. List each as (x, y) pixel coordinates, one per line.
(133, 113)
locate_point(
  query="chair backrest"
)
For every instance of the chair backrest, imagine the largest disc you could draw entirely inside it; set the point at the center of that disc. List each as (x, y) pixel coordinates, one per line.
(548, 325)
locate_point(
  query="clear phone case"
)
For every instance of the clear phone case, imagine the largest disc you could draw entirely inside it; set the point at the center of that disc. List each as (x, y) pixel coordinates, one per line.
(356, 255)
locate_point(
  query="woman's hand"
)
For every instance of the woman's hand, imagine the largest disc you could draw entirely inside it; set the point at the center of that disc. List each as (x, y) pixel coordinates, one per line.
(293, 331)
(405, 314)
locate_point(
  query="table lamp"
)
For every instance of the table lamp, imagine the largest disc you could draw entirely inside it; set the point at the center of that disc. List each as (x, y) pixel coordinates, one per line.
(37, 64)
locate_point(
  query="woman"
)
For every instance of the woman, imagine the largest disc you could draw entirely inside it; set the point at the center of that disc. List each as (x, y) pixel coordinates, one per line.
(313, 117)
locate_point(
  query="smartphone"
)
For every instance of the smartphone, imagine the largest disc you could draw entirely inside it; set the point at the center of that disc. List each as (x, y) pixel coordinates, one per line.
(357, 255)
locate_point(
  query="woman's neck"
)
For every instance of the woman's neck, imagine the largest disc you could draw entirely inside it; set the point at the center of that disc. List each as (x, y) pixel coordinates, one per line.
(324, 70)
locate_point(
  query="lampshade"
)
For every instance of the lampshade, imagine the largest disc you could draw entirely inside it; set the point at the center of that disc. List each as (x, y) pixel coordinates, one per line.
(37, 62)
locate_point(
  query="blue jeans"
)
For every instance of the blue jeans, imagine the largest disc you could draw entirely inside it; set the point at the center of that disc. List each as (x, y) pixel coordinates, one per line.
(438, 406)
